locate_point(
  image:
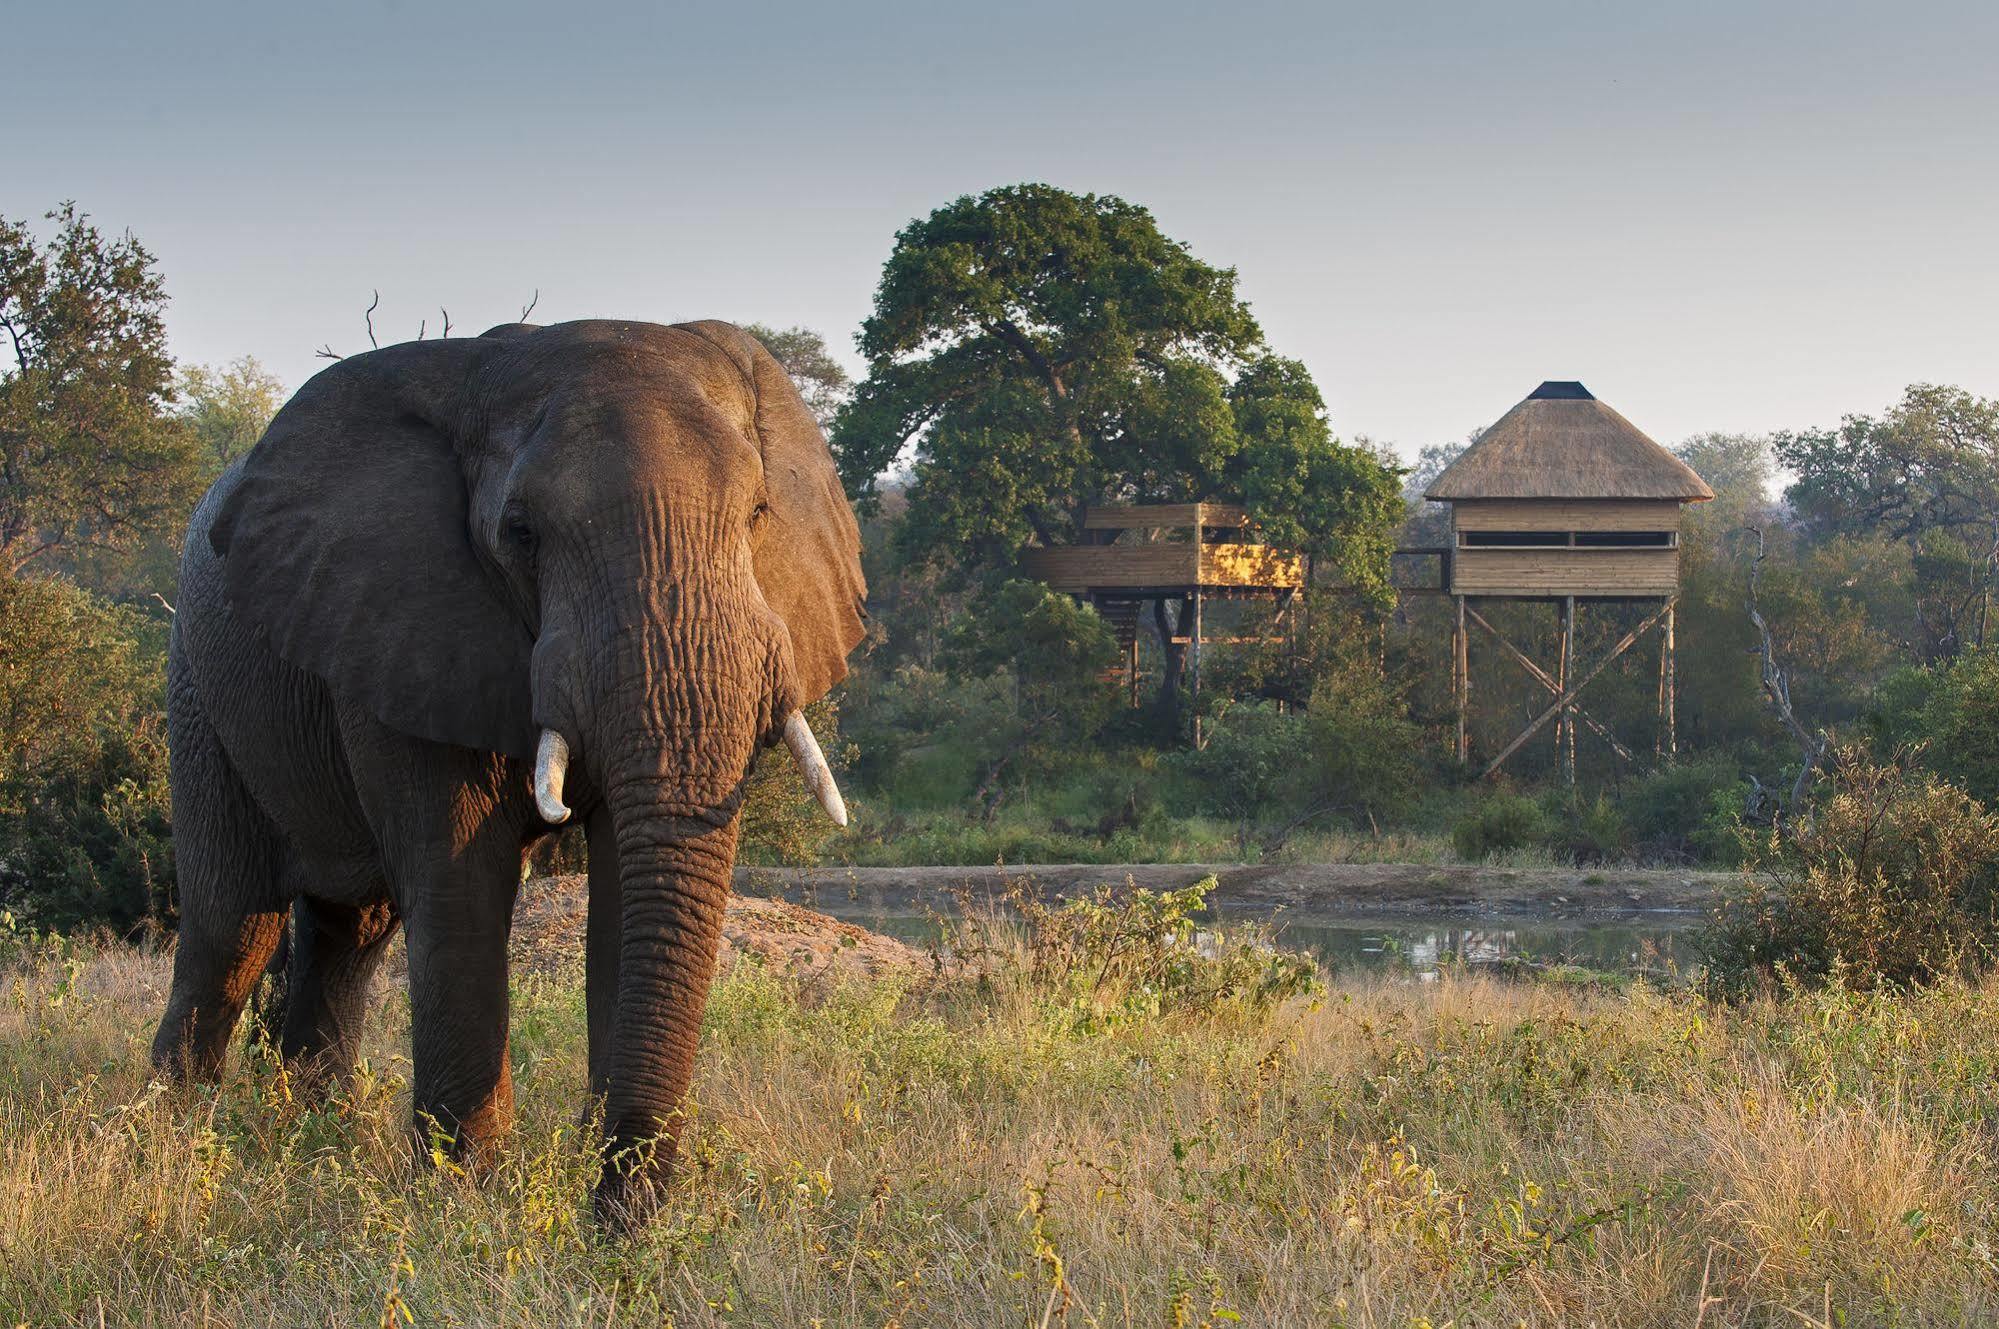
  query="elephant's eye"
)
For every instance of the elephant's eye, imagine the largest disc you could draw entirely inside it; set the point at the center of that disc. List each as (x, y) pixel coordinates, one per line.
(520, 535)
(758, 513)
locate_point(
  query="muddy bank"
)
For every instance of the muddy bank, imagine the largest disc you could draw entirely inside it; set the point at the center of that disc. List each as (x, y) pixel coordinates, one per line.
(1330, 890)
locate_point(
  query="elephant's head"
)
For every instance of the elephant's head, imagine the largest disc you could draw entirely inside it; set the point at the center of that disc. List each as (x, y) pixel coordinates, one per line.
(619, 548)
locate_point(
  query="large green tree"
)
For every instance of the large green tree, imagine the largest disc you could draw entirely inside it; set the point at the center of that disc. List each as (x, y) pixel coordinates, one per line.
(1925, 473)
(89, 456)
(1034, 351)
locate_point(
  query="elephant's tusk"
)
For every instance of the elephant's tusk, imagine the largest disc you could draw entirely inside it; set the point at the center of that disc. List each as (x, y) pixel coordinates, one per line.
(812, 765)
(551, 764)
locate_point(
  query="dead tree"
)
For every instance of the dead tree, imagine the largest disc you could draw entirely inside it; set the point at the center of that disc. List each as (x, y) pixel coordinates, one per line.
(1812, 744)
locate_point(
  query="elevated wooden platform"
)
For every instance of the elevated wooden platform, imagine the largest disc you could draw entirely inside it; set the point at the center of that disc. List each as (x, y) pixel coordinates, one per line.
(1166, 568)
(1176, 553)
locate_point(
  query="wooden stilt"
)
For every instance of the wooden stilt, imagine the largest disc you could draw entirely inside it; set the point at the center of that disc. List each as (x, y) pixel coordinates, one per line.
(1193, 614)
(1461, 679)
(1565, 726)
(1669, 738)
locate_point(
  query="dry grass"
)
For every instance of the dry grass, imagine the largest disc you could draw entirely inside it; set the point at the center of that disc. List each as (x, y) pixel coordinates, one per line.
(1469, 1152)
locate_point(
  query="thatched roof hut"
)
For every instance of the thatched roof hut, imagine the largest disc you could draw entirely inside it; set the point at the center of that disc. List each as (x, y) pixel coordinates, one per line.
(1565, 497)
(1561, 442)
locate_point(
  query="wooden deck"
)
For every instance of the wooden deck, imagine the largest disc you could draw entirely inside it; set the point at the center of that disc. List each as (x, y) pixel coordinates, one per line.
(1240, 569)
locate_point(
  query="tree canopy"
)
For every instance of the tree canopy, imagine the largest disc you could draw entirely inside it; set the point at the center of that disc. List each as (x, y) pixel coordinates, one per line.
(1036, 351)
(819, 377)
(1926, 474)
(88, 455)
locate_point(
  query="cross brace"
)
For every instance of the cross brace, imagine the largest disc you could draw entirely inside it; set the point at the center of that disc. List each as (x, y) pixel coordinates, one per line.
(1541, 676)
(1567, 698)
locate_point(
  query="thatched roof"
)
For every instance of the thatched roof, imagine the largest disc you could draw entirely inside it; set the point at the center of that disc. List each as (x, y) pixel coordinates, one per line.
(1563, 443)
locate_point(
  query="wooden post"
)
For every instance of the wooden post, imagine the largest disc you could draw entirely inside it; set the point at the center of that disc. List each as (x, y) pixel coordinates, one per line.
(1461, 679)
(1668, 743)
(1194, 658)
(1565, 724)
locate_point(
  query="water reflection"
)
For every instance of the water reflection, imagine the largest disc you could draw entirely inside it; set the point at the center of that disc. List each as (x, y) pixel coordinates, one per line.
(1415, 948)
(1422, 949)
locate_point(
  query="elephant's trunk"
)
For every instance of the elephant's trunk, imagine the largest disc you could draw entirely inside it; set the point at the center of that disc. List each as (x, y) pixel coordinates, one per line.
(674, 866)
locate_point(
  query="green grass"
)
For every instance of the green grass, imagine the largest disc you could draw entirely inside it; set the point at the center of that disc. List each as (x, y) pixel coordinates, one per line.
(1470, 1152)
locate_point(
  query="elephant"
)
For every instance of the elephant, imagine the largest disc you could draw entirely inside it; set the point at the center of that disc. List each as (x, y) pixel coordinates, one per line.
(460, 592)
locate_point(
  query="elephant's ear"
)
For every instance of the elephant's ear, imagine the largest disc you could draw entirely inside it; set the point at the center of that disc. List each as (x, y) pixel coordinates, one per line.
(345, 541)
(809, 561)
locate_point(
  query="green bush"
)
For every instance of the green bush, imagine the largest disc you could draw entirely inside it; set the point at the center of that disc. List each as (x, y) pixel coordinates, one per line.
(84, 831)
(1587, 831)
(1252, 767)
(1890, 881)
(1961, 723)
(1689, 811)
(1500, 824)
(1121, 954)
(1365, 749)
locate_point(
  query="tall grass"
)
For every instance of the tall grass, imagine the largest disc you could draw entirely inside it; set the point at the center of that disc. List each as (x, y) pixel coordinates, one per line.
(970, 1153)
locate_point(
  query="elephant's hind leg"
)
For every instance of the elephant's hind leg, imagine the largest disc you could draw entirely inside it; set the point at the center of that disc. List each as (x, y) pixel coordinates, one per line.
(336, 949)
(228, 858)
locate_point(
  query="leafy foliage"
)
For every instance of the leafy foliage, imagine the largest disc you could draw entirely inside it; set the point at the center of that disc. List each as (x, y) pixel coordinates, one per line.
(820, 379)
(88, 453)
(1500, 824)
(1123, 954)
(84, 832)
(1926, 474)
(1250, 765)
(1043, 351)
(1891, 881)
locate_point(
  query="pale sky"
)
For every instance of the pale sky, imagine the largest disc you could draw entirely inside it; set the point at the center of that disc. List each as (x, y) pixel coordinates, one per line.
(1743, 216)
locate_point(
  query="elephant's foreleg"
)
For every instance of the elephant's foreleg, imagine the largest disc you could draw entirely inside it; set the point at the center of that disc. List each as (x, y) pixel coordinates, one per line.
(336, 949)
(457, 924)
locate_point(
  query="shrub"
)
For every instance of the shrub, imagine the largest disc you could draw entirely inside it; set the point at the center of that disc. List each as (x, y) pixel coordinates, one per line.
(84, 833)
(1961, 723)
(1253, 763)
(1690, 810)
(1116, 955)
(1364, 746)
(1591, 831)
(1502, 822)
(1890, 881)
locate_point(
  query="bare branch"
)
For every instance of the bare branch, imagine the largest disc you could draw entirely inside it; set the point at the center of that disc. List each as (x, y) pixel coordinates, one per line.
(163, 601)
(1777, 685)
(529, 307)
(423, 326)
(447, 322)
(368, 315)
(327, 352)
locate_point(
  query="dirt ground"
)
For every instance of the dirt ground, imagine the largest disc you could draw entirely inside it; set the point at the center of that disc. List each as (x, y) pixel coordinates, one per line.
(550, 914)
(1360, 890)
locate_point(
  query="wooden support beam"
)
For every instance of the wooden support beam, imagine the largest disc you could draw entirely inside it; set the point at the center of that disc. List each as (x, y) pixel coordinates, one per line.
(1565, 728)
(1194, 658)
(1540, 676)
(1569, 695)
(1461, 676)
(1667, 745)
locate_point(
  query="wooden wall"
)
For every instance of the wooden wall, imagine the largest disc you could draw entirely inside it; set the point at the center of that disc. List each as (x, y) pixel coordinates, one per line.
(1513, 514)
(1587, 572)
